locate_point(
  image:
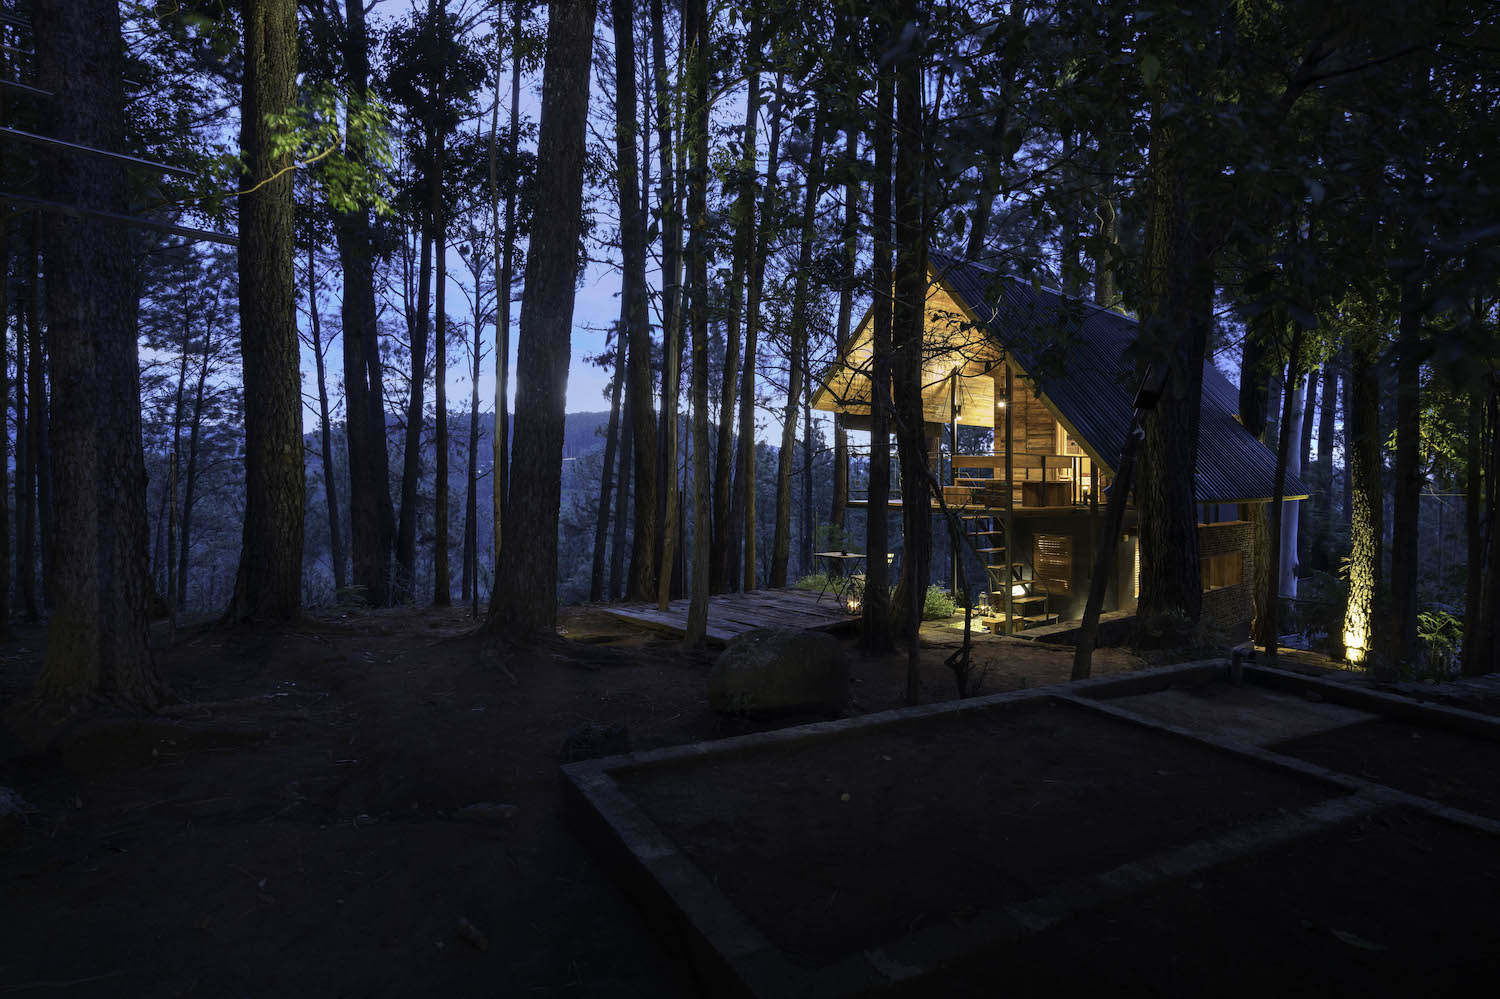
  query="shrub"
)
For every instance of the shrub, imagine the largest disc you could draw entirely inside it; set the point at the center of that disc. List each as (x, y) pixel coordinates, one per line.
(938, 604)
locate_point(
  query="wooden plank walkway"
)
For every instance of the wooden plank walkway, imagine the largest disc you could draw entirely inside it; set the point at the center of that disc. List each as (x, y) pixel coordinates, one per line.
(732, 614)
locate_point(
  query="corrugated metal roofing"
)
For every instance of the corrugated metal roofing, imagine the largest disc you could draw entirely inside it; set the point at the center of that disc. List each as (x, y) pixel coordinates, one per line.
(1080, 356)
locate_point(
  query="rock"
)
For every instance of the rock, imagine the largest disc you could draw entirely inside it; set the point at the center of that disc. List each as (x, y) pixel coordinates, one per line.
(770, 670)
(593, 741)
(489, 811)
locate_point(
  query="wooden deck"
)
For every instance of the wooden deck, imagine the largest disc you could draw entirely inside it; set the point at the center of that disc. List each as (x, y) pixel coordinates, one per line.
(734, 614)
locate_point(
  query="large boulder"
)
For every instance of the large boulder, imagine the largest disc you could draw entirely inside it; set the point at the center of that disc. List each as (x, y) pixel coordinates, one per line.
(769, 670)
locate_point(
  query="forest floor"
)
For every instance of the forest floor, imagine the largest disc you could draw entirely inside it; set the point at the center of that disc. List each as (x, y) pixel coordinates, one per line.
(366, 804)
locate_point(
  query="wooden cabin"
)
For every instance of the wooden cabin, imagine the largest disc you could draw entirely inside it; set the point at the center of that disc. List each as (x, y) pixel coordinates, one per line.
(1049, 381)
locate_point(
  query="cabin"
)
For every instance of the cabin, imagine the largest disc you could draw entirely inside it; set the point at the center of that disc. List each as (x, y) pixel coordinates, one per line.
(1027, 396)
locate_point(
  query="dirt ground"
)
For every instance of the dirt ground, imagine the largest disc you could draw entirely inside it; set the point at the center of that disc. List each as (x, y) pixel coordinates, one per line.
(364, 805)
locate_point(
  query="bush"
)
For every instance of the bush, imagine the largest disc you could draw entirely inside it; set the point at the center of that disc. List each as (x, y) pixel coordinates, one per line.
(938, 605)
(1441, 634)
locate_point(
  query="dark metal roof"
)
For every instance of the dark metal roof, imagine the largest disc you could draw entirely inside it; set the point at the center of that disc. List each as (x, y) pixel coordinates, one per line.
(1080, 356)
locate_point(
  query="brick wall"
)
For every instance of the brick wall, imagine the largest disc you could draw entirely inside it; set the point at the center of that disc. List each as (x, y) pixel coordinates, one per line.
(1229, 609)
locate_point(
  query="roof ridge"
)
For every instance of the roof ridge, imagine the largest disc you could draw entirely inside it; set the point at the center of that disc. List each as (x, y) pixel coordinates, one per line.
(960, 261)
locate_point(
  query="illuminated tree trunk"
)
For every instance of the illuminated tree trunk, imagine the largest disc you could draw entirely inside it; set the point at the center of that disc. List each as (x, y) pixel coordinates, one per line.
(1365, 527)
(1407, 487)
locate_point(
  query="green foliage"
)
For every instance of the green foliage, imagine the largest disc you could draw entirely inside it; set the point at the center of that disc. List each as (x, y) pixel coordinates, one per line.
(319, 132)
(938, 604)
(1441, 635)
(310, 133)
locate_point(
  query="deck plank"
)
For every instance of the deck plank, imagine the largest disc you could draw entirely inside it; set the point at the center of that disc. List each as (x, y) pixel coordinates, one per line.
(732, 614)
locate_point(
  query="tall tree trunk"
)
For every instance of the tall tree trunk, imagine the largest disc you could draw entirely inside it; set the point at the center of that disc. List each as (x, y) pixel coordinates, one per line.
(1348, 405)
(38, 448)
(744, 249)
(744, 518)
(4, 443)
(699, 107)
(372, 518)
(96, 636)
(190, 478)
(1285, 548)
(268, 585)
(617, 581)
(813, 180)
(1106, 285)
(25, 460)
(607, 474)
(1407, 488)
(442, 577)
(525, 597)
(1482, 488)
(1254, 400)
(850, 236)
(637, 330)
(505, 262)
(671, 228)
(1294, 419)
(471, 490)
(809, 518)
(1323, 480)
(330, 471)
(908, 316)
(1365, 529)
(404, 583)
(1176, 316)
(875, 603)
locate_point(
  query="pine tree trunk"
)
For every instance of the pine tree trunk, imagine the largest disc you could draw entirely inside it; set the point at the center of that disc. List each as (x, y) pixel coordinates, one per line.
(607, 474)
(850, 236)
(504, 275)
(1175, 318)
(330, 471)
(1281, 550)
(96, 636)
(442, 576)
(875, 603)
(1254, 399)
(525, 598)
(372, 518)
(637, 330)
(471, 490)
(744, 248)
(1474, 538)
(744, 519)
(671, 228)
(617, 581)
(1323, 480)
(5, 256)
(39, 449)
(809, 518)
(1407, 487)
(908, 316)
(1365, 528)
(190, 478)
(25, 464)
(782, 538)
(699, 108)
(268, 585)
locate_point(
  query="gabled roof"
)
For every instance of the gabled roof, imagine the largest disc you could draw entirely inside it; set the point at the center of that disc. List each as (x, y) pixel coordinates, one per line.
(1078, 354)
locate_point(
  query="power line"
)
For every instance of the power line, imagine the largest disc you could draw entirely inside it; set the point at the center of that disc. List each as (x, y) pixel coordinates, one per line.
(75, 211)
(45, 140)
